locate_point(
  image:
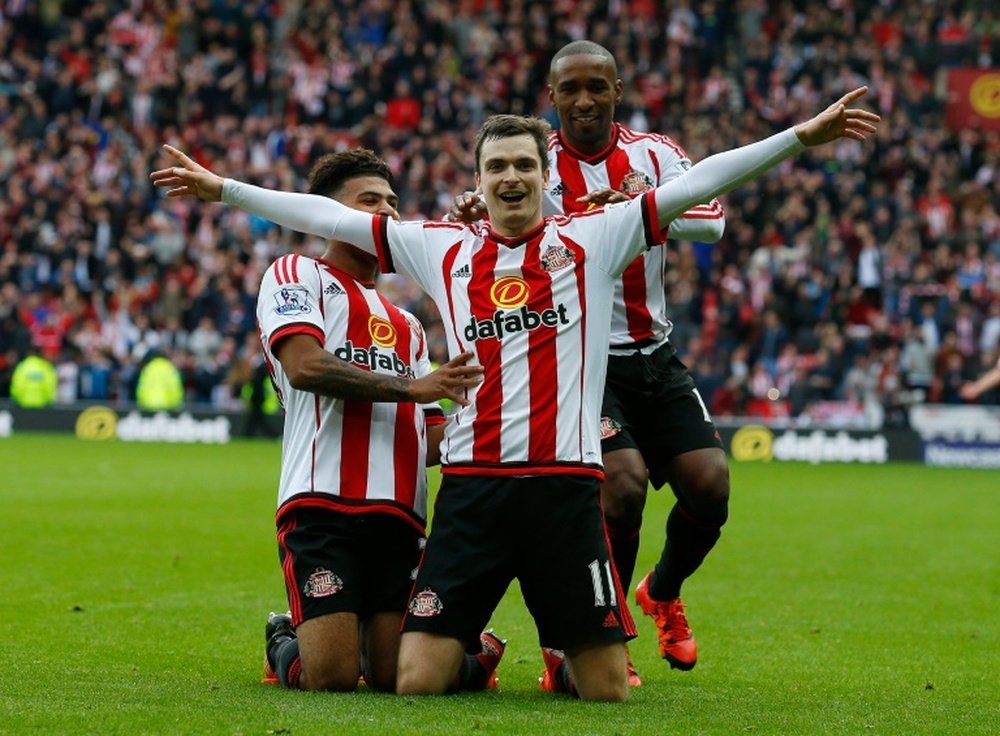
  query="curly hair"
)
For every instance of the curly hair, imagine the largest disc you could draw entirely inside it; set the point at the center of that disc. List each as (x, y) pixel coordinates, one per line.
(331, 171)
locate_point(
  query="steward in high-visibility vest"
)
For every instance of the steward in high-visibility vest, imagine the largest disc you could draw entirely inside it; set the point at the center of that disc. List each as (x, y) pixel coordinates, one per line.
(34, 383)
(160, 386)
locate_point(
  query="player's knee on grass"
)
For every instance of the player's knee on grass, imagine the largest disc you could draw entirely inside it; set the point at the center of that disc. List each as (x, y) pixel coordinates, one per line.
(329, 651)
(623, 493)
(599, 672)
(331, 675)
(380, 639)
(428, 663)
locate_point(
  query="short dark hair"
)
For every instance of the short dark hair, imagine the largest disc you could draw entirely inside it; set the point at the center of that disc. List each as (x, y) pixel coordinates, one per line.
(498, 127)
(588, 48)
(332, 171)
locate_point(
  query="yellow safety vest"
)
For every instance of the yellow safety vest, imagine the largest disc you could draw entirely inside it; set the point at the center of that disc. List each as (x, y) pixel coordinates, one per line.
(34, 383)
(160, 386)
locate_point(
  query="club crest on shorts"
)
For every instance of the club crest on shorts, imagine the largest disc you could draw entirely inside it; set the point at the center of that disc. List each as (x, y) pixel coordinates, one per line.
(556, 258)
(609, 428)
(322, 583)
(426, 603)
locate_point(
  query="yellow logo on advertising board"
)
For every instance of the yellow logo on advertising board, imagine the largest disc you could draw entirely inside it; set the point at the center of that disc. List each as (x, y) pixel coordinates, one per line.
(96, 423)
(752, 443)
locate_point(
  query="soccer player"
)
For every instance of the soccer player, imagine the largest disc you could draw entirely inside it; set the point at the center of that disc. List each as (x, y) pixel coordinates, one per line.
(530, 297)
(654, 423)
(353, 373)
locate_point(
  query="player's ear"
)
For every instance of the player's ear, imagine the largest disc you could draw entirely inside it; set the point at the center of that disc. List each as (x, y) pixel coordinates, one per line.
(619, 91)
(552, 94)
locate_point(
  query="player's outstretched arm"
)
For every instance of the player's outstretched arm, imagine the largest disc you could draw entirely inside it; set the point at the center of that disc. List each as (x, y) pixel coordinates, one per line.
(311, 368)
(725, 171)
(974, 389)
(306, 213)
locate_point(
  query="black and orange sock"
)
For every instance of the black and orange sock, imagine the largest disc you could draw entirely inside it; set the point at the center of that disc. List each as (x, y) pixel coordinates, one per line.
(287, 663)
(688, 542)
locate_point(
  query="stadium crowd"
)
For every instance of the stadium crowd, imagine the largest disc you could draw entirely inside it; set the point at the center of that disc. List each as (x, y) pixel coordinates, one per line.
(872, 281)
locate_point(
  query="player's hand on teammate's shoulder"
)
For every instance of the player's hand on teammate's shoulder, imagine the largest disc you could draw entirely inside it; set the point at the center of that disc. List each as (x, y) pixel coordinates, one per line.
(468, 207)
(188, 179)
(839, 121)
(450, 381)
(603, 196)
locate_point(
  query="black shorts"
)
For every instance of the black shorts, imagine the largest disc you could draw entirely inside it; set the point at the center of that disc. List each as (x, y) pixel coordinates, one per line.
(336, 562)
(652, 404)
(545, 531)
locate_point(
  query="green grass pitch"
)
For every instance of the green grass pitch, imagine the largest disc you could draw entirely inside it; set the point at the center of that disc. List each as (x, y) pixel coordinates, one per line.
(840, 600)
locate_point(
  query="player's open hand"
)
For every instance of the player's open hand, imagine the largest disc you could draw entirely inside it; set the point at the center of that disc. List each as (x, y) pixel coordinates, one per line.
(839, 121)
(450, 381)
(602, 196)
(468, 207)
(188, 179)
(968, 392)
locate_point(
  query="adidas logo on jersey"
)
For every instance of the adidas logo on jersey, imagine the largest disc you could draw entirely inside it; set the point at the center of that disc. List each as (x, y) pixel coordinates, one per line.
(333, 289)
(557, 190)
(462, 273)
(508, 323)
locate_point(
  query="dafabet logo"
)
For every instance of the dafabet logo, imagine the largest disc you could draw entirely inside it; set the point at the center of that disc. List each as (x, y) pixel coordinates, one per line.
(509, 292)
(381, 354)
(382, 332)
(510, 295)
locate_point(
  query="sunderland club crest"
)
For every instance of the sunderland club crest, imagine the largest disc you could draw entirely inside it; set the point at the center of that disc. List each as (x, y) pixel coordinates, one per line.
(635, 183)
(322, 583)
(556, 258)
(426, 603)
(609, 428)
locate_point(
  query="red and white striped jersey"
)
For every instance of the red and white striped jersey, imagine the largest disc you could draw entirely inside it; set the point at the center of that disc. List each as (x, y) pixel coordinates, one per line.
(632, 163)
(357, 456)
(534, 311)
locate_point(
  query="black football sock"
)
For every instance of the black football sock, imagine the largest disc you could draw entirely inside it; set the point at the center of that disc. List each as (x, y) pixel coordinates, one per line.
(688, 542)
(624, 548)
(287, 663)
(471, 675)
(564, 681)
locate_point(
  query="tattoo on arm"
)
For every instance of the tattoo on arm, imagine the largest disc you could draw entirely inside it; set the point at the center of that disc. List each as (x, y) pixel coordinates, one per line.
(331, 376)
